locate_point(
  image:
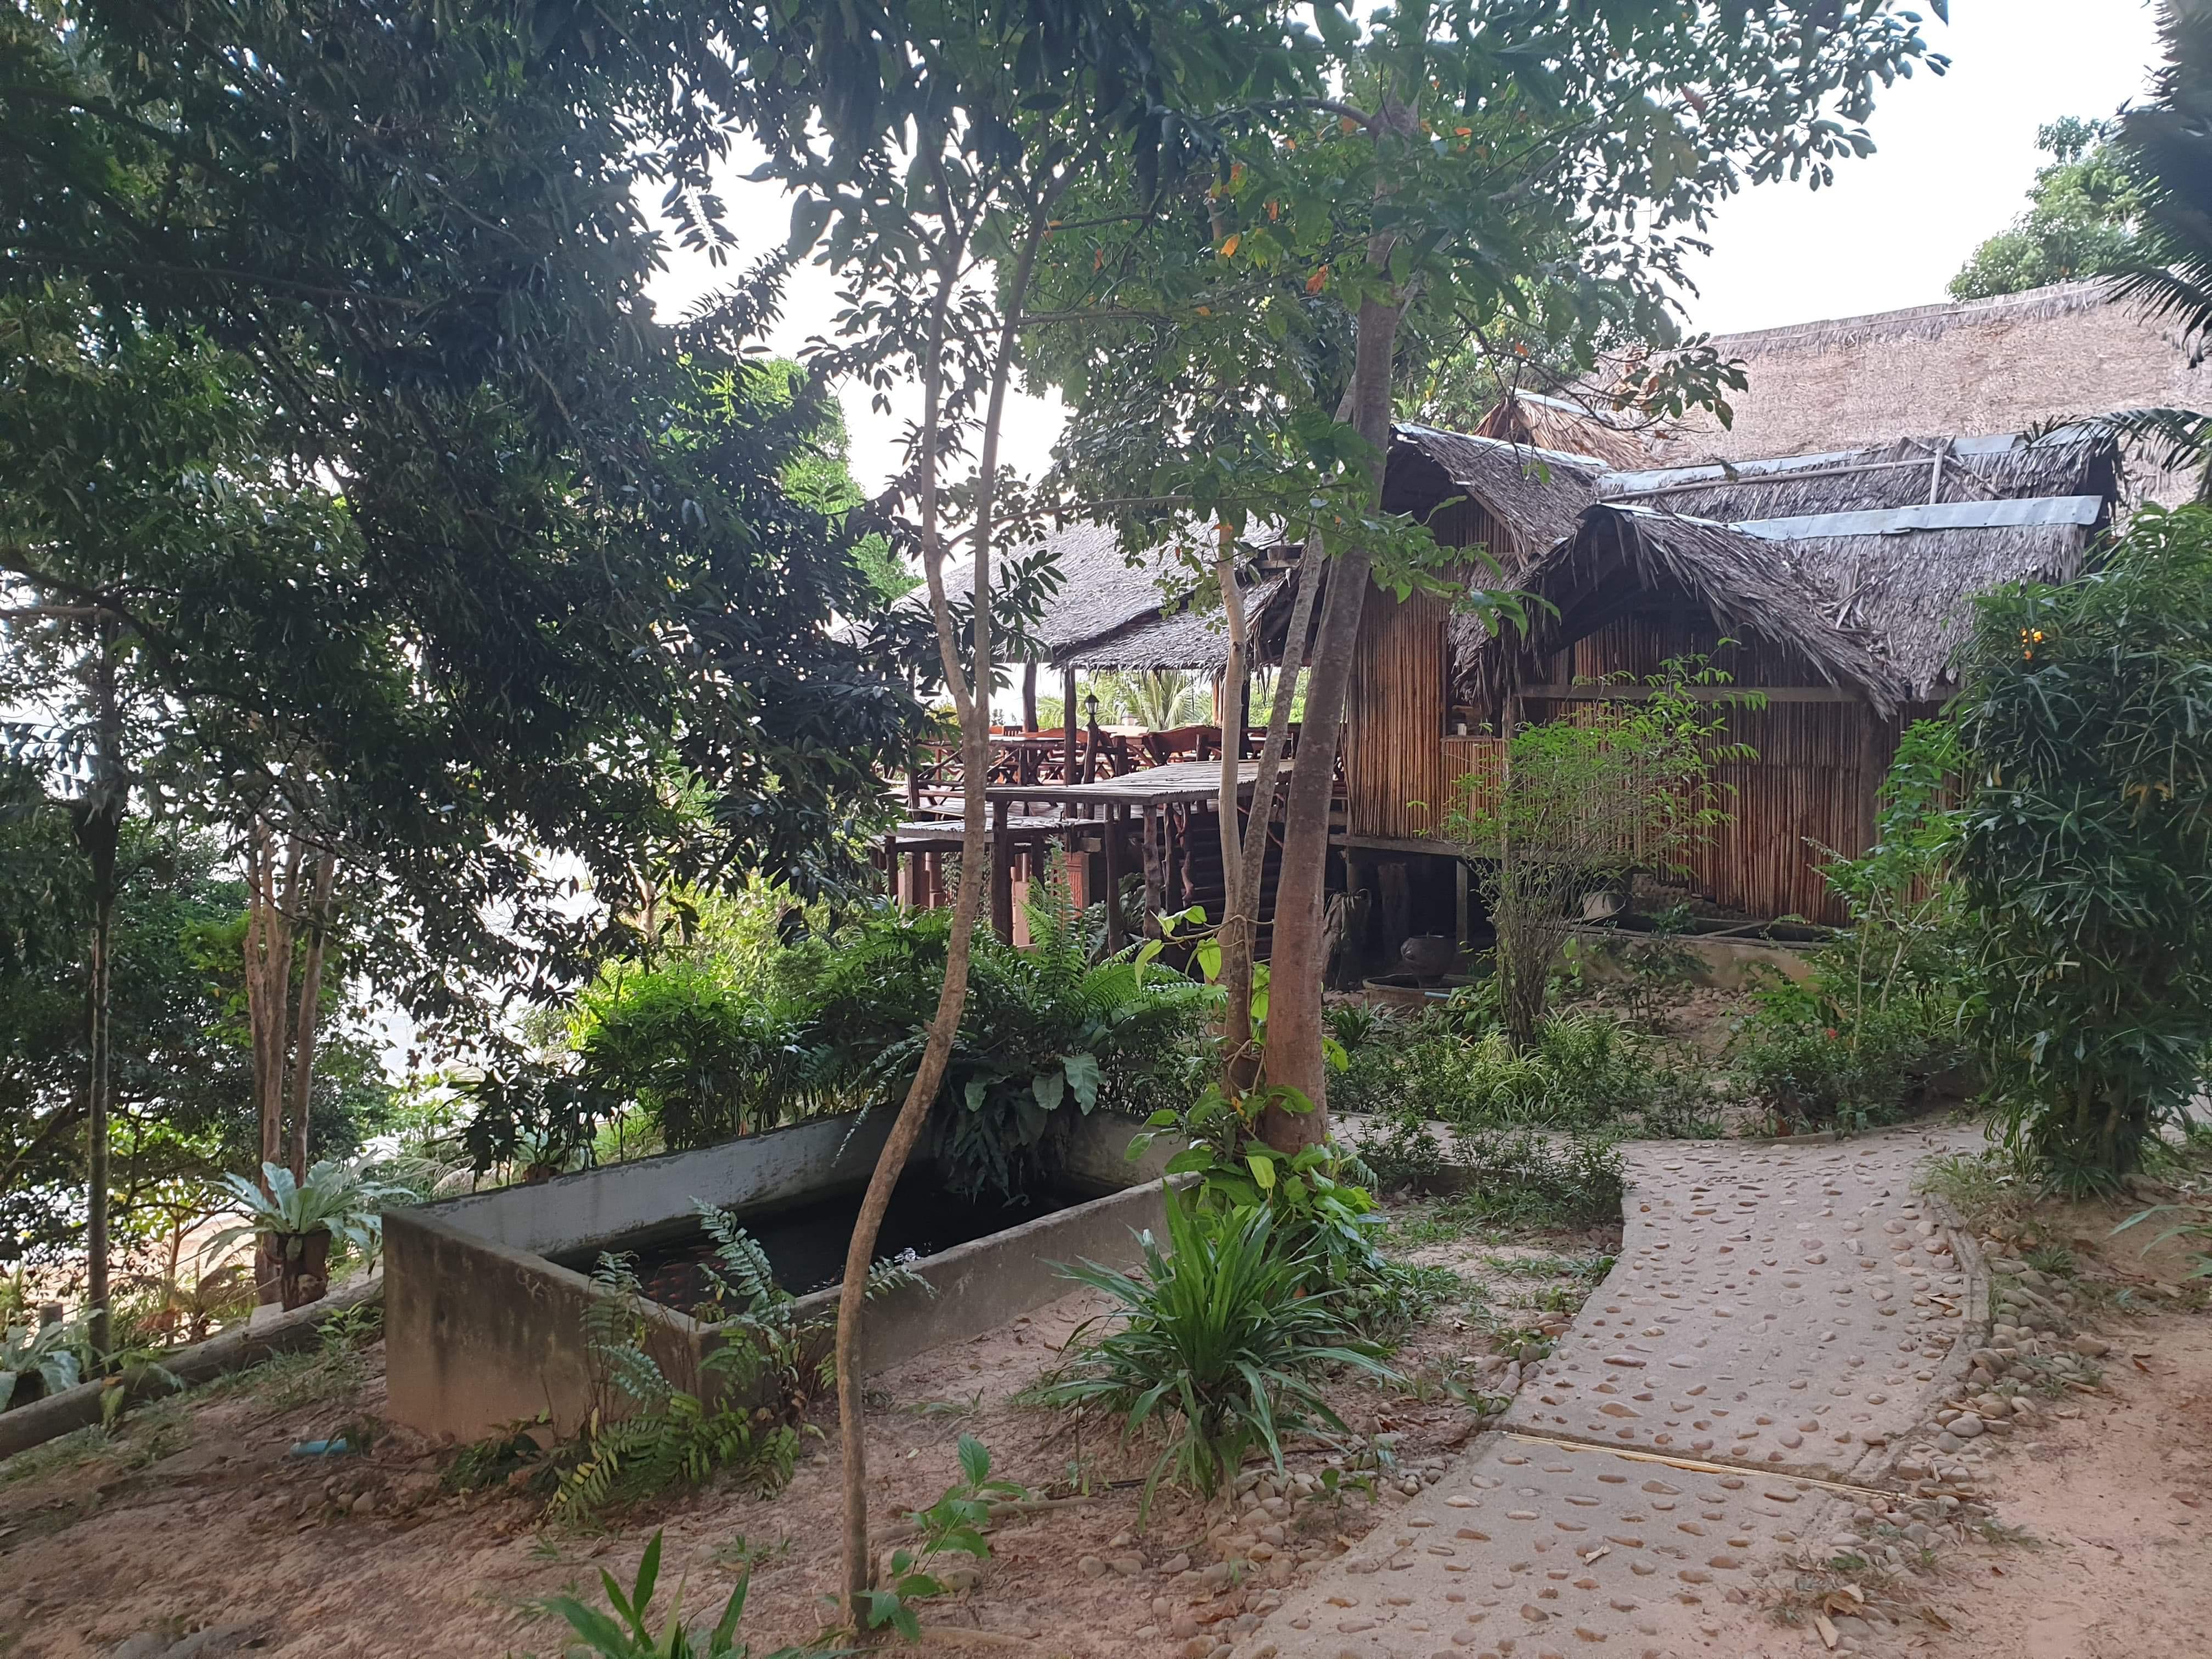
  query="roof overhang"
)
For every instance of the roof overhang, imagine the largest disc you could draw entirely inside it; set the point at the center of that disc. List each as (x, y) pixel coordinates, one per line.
(2082, 510)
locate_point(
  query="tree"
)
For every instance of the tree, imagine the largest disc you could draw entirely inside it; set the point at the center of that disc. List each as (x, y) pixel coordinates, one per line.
(1236, 349)
(2085, 851)
(1584, 804)
(181, 1101)
(929, 153)
(2080, 221)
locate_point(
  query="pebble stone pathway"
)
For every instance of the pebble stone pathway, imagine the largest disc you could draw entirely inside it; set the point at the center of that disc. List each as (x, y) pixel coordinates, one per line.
(1788, 1312)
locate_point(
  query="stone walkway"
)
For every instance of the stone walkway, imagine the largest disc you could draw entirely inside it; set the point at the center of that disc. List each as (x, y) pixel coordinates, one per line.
(1780, 1315)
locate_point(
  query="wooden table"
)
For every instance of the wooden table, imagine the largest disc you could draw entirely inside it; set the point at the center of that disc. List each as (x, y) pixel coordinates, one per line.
(1146, 792)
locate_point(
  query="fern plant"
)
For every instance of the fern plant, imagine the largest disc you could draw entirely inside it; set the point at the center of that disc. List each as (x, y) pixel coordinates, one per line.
(646, 1433)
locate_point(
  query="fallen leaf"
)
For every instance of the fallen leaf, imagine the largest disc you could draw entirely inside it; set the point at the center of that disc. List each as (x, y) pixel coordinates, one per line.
(2141, 1367)
(1935, 1618)
(1828, 1636)
(1602, 1549)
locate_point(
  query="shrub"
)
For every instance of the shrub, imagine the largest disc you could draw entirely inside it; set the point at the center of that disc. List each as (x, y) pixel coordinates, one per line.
(2085, 854)
(1801, 1058)
(1584, 802)
(1582, 1072)
(1221, 1345)
(1529, 1180)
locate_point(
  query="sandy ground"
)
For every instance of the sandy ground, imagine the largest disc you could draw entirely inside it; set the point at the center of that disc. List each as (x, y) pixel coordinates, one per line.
(198, 1517)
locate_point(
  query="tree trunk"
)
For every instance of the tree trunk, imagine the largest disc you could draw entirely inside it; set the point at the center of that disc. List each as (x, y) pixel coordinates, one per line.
(100, 834)
(973, 704)
(269, 942)
(1299, 958)
(308, 1012)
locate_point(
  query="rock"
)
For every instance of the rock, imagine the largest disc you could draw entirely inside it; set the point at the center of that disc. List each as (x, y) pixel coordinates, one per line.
(2091, 1348)
(1176, 1563)
(1128, 1566)
(958, 1579)
(1966, 1425)
(1198, 1647)
(1090, 1567)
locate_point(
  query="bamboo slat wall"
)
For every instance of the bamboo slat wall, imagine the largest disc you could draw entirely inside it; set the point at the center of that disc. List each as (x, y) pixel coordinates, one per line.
(1811, 789)
(1395, 708)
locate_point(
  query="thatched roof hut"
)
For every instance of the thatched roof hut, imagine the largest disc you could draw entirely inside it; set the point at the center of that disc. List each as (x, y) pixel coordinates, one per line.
(1753, 587)
(1518, 500)
(1101, 589)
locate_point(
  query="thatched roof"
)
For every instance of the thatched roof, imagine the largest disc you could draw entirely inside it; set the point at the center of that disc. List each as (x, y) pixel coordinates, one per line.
(2013, 363)
(1536, 494)
(1186, 638)
(1754, 586)
(1905, 473)
(1536, 422)
(1913, 590)
(1100, 589)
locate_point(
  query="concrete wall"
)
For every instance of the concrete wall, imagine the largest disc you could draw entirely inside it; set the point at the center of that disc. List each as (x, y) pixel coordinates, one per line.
(481, 1331)
(478, 1334)
(595, 1207)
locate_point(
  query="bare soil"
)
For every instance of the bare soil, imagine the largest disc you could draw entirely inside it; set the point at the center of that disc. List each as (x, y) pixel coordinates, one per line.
(196, 1515)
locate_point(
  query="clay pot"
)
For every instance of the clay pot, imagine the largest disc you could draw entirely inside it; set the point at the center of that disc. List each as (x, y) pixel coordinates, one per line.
(303, 1265)
(1429, 955)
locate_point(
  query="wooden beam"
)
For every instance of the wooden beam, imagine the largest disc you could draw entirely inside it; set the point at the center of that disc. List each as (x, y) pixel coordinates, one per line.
(1002, 875)
(1696, 693)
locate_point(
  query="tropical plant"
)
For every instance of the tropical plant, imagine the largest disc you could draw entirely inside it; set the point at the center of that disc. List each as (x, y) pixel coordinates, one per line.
(52, 1356)
(626, 1635)
(1042, 1029)
(337, 1198)
(2084, 852)
(1221, 1344)
(952, 1525)
(1586, 802)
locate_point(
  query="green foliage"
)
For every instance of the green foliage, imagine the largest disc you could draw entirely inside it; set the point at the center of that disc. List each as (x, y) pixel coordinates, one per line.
(2080, 221)
(626, 1635)
(1585, 803)
(2085, 853)
(1802, 1058)
(952, 1525)
(744, 1411)
(340, 1198)
(1321, 1199)
(647, 1434)
(182, 1110)
(1583, 1072)
(49, 1358)
(704, 1059)
(1525, 1179)
(1221, 1344)
(772, 1013)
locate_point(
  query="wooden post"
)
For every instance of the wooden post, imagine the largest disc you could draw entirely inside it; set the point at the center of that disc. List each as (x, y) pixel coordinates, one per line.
(1068, 720)
(1002, 875)
(1028, 697)
(1244, 717)
(1113, 933)
(1155, 876)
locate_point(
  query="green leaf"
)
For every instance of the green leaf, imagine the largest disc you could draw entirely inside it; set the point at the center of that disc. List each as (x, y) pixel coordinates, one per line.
(1263, 1169)
(1083, 1077)
(809, 213)
(1048, 1087)
(974, 1460)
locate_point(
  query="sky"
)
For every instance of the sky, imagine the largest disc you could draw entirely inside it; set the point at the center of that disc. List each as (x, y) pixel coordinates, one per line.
(1955, 154)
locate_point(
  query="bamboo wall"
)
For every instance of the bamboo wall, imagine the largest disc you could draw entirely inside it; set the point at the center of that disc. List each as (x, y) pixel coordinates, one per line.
(1395, 708)
(1812, 787)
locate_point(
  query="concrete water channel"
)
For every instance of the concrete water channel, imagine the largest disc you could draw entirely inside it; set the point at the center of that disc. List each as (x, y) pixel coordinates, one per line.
(486, 1295)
